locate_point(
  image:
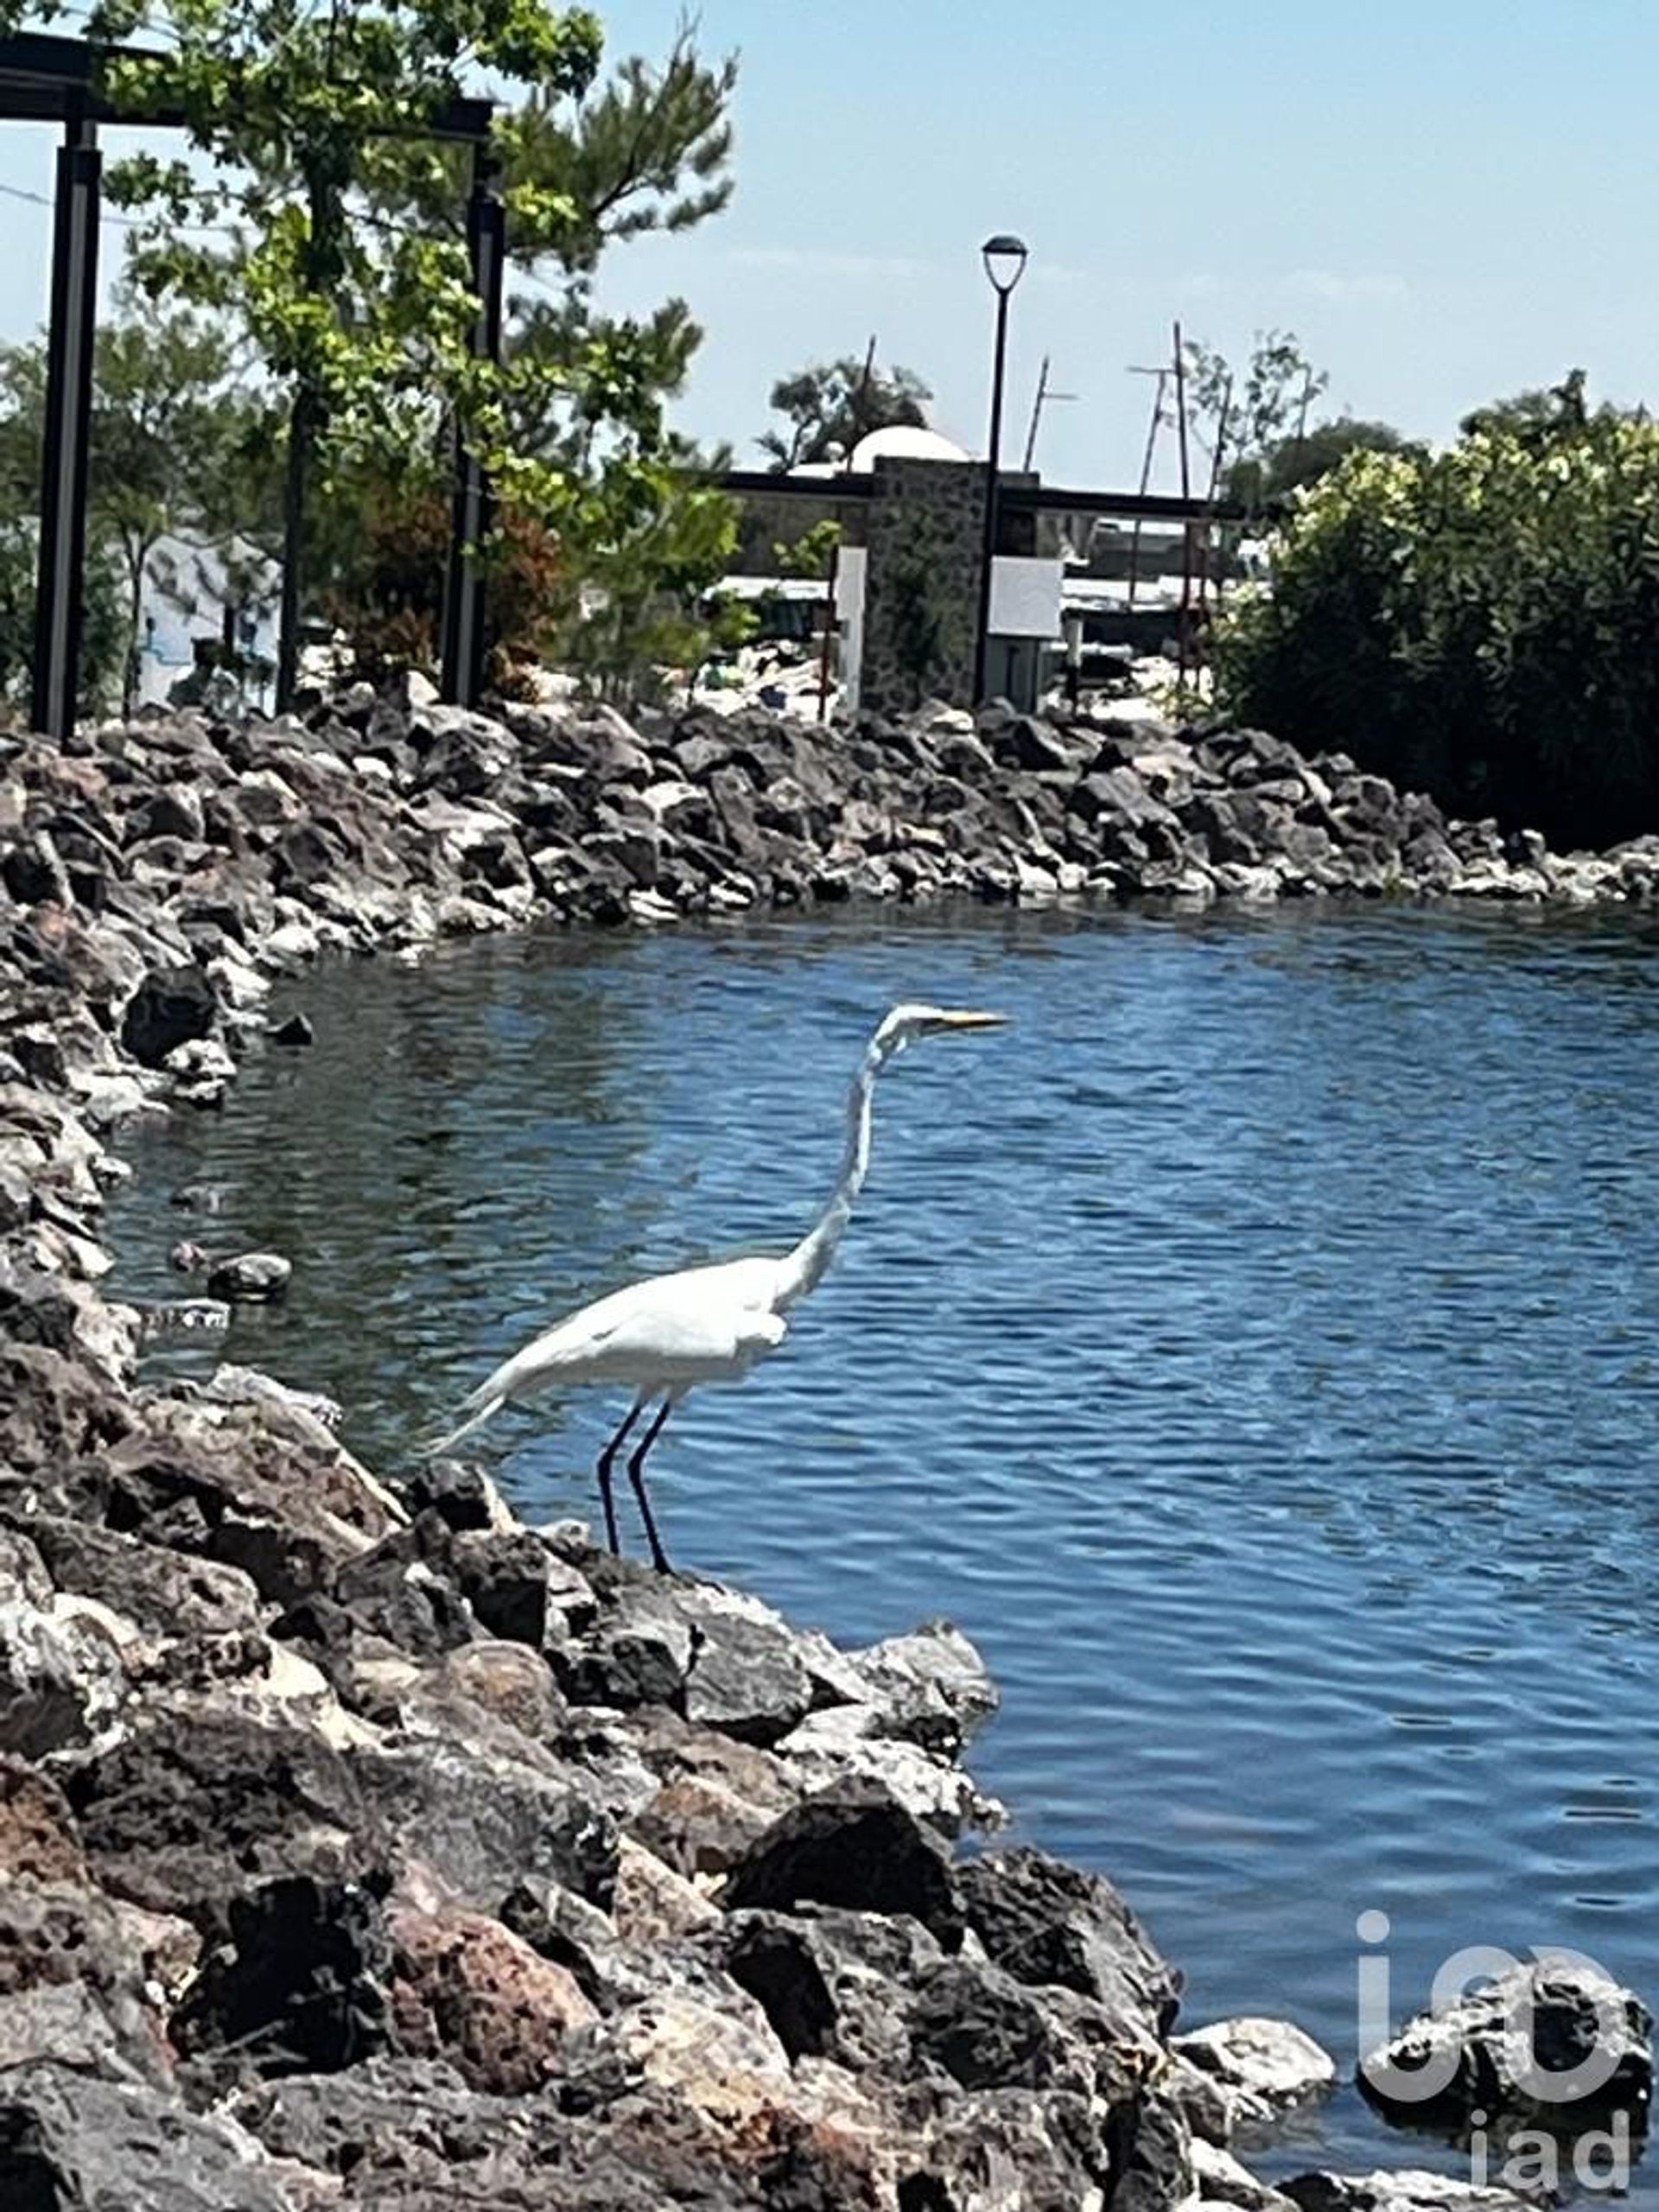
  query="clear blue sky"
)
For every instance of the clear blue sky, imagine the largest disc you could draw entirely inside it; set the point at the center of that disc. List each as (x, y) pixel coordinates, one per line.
(1445, 199)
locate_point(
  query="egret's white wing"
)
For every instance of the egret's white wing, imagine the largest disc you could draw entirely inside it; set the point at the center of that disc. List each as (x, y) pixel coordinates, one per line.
(701, 1325)
(698, 1327)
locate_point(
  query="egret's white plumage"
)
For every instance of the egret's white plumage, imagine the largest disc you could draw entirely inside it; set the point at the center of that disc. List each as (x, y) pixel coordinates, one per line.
(660, 1336)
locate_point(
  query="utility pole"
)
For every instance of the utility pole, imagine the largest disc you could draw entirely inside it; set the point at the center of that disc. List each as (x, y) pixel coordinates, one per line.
(1186, 527)
(1301, 412)
(861, 400)
(1043, 399)
(1224, 423)
(1162, 374)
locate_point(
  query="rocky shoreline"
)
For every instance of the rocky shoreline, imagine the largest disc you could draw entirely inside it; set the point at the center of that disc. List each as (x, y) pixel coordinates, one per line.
(249, 848)
(372, 1849)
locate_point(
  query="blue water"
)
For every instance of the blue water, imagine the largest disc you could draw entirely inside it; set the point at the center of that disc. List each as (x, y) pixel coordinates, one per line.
(1253, 1348)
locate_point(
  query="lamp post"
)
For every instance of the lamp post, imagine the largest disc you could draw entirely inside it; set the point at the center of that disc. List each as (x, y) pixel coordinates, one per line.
(1005, 259)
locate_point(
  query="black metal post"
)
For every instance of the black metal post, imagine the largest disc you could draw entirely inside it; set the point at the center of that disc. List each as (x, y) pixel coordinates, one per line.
(62, 548)
(464, 608)
(983, 634)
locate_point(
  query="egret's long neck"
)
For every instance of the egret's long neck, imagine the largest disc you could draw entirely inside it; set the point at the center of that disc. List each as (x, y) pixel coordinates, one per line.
(804, 1269)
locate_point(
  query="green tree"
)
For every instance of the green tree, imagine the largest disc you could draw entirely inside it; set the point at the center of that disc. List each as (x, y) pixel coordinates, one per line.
(166, 422)
(333, 236)
(624, 566)
(636, 607)
(1295, 460)
(830, 405)
(16, 604)
(812, 552)
(1542, 419)
(648, 153)
(1482, 622)
(302, 113)
(178, 450)
(103, 630)
(1253, 411)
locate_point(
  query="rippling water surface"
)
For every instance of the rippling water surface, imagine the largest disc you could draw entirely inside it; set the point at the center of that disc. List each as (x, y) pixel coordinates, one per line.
(1253, 1348)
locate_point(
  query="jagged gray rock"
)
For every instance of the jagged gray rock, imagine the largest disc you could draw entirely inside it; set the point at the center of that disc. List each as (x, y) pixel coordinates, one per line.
(1406, 2189)
(1254, 2069)
(73, 2142)
(1550, 2033)
(1052, 1924)
(60, 1681)
(250, 1277)
(857, 1847)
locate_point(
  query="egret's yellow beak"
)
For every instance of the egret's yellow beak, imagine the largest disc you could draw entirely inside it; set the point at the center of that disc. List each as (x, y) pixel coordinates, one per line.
(967, 1018)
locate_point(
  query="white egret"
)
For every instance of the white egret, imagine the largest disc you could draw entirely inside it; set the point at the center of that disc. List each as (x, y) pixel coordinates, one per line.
(661, 1336)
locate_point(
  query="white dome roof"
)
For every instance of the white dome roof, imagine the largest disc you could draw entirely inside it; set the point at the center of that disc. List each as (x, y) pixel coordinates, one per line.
(902, 442)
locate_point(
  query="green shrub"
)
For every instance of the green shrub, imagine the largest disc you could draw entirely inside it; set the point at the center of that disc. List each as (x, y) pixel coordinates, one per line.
(1481, 623)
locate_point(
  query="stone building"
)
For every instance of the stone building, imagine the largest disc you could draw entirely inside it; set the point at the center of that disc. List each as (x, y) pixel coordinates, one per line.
(912, 511)
(1095, 575)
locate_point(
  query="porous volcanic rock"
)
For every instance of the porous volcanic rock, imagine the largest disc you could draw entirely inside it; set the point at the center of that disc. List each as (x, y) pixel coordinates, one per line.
(1549, 2034)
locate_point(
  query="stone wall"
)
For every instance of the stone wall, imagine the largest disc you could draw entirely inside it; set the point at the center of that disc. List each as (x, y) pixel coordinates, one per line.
(925, 525)
(768, 519)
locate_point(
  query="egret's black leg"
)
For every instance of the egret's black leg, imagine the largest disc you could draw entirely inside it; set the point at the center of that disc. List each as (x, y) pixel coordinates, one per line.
(637, 1477)
(605, 1460)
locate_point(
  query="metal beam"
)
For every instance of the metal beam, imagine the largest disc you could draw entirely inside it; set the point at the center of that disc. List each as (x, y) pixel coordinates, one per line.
(1014, 495)
(44, 79)
(464, 609)
(62, 544)
(1146, 507)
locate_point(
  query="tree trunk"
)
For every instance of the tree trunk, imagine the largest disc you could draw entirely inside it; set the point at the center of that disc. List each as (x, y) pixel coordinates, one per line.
(300, 431)
(135, 619)
(327, 174)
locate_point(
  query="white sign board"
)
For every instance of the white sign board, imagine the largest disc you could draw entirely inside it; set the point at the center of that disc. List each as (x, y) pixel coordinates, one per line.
(1025, 596)
(850, 569)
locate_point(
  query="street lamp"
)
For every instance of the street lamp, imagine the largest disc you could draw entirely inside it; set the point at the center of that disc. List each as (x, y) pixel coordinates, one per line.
(1005, 259)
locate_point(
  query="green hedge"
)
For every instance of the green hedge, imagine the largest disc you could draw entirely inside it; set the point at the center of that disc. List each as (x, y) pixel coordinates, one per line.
(1482, 624)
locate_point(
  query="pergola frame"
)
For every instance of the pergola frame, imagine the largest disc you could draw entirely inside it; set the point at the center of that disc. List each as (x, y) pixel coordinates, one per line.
(48, 79)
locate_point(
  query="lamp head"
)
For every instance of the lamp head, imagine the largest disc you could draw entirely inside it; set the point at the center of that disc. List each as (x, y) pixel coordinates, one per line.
(1004, 256)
